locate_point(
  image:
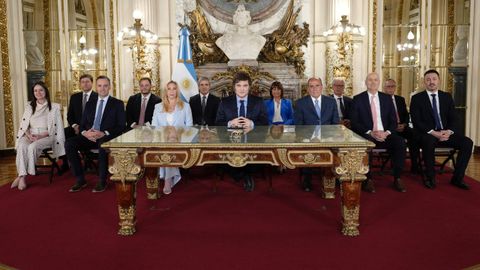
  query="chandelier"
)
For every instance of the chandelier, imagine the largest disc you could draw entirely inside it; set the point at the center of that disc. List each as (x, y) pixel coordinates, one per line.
(345, 27)
(409, 49)
(82, 57)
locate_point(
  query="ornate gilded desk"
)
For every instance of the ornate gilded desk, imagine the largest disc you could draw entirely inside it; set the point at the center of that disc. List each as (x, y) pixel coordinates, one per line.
(335, 147)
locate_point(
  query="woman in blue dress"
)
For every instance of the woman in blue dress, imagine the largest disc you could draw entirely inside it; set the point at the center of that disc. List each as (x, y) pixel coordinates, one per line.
(172, 111)
(279, 109)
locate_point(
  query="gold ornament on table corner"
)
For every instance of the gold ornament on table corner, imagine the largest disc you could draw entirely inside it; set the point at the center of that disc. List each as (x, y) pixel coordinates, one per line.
(351, 165)
(124, 167)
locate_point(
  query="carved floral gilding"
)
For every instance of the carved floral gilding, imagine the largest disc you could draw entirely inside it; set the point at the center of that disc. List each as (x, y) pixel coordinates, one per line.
(351, 165)
(124, 167)
(127, 220)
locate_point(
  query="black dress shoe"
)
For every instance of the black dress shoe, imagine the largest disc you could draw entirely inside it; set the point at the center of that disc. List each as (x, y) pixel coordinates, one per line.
(77, 187)
(307, 183)
(459, 184)
(100, 187)
(429, 183)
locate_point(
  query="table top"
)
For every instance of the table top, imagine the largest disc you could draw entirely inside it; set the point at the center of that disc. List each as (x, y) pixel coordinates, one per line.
(267, 136)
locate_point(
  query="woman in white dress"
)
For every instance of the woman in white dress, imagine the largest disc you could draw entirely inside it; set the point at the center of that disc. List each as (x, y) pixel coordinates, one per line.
(41, 128)
(172, 111)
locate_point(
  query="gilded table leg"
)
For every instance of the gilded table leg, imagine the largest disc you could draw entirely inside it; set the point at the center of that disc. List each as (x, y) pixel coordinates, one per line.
(351, 169)
(328, 183)
(126, 199)
(151, 180)
(124, 170)
(350, 192)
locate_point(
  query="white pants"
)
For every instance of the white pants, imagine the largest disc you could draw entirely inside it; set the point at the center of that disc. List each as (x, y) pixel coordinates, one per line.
(28, 153)
(170, 172)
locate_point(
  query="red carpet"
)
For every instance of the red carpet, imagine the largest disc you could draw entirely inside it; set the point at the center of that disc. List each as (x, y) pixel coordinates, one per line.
(46, 227)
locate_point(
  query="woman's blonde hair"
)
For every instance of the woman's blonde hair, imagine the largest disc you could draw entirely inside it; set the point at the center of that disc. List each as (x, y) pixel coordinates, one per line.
(165, 101)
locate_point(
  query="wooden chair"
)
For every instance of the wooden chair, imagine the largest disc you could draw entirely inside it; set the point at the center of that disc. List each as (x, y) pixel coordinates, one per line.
(46, 160)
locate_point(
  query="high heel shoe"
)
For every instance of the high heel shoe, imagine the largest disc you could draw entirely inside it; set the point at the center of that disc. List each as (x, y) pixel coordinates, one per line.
(22, 185)
(15, 182)
(167, 188)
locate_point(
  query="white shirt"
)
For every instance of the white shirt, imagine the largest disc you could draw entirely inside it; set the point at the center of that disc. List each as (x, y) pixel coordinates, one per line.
(277, 117)
(319, 101)
(338, 105)
(377, 109)
(89, 93)
(147, 99)
(105, 100)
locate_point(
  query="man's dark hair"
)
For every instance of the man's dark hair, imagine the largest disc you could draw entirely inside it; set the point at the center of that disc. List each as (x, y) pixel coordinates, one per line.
(431, 71)
(242, 76)
(103, 77)
(145, 79)
(86, 76)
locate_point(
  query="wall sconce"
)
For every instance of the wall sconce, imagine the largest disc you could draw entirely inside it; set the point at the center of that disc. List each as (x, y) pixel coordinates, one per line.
(137, 39)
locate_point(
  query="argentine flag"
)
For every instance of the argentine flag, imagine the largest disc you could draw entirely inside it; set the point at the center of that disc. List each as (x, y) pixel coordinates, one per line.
(184, 71)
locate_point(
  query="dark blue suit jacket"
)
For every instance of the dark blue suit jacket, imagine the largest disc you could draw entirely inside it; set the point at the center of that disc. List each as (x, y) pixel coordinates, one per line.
(227, 110)
(113, 118)
(362, 115)
(421, 112)
(286, 111)
(305, 113)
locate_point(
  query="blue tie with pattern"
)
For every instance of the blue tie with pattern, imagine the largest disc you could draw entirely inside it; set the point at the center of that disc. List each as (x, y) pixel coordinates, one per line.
(317, 108)
(98, 116)
(438, 124)
(242, 109)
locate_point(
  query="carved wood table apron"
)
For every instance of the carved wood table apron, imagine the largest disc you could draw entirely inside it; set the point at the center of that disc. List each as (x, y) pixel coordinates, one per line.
(336, 148)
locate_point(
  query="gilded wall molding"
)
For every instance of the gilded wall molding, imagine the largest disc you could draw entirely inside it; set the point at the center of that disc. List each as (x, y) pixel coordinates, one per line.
(6, 82)
(374, 35)
(47, 44)
(450, 41)
(112, 41)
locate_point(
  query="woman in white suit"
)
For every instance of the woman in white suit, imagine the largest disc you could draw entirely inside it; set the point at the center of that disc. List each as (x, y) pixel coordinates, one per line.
(41, 128)
(172, 111)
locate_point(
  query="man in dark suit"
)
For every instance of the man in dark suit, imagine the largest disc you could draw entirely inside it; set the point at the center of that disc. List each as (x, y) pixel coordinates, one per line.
(141, 105)
(403, 118)
(373, 117)
(204, 105)
(344, 104)
(315, 109)
(244, 111)
(76, 107)
(102, 120)
(435, 123)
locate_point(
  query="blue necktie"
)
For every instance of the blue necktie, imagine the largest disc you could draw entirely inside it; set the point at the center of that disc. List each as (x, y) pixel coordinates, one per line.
(242, 109)
(438, 124)
(98, 116)
(317, 108)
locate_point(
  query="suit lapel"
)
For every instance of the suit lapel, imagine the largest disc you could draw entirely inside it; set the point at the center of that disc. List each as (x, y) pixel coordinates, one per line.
(106, 110)
(250, 107)
(311, 106)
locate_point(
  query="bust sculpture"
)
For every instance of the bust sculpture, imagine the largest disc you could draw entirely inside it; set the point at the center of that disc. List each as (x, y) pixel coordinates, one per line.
(35, 59)
(241, 43)
(461, 48)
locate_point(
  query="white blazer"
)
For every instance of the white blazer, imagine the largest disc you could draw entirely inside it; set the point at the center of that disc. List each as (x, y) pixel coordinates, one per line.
(55, 128)
(181, 117)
